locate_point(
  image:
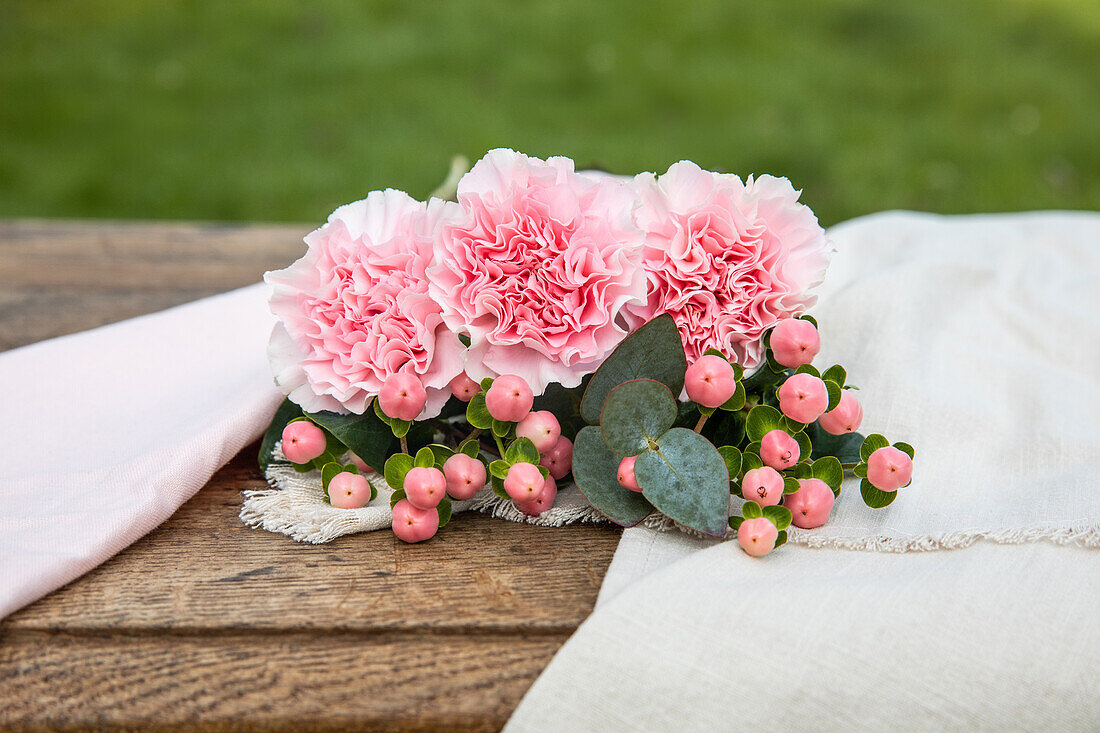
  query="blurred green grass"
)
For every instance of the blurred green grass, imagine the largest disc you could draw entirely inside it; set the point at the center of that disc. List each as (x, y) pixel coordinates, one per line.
(265, 110)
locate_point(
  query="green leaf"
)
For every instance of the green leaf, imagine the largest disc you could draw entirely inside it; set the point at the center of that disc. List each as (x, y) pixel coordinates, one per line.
(477, 414)
(737, 401)
(400, 427)
(501, 428)
(686, 480)
(715, 352)
(836, 374)
(906, 449)
(470, 448)
(829, 470)
(750, 460)
(287, 413)
(808, 369)
(808, 317)
(522, 450)
(397, 466)
(328, 472)
(845, 447)
(304, 467)
(394, 497)
(444, 508)
(735, 523)
(486, 384)
(805, 447)
(751, 510)
(790, 485)
(350, 468)
(732, 457)
(782, 538)
(835, 393)
(802, 470)
(595, 469)
(498, 487)
(654, 351)
(876, 498)
(499, 468)
(369, 437)
(860, 470)
(871, 444)
(440, 454)
(778, 515)
(792, 426)
(424, 458)
(636, 413)
(762, 420)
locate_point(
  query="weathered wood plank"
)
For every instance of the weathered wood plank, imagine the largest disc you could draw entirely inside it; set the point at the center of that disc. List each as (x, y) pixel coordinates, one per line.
(204, 569)
(387, 682)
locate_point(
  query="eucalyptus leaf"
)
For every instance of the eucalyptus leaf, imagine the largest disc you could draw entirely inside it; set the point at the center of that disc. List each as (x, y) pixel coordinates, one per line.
(686, 479)
(762, 420)
(477, 414)
(521, 450)
(287, 413)
(778, 515)
(397, 466)
(595, 469)
(366, 434)
(654, 351)
(876, 498)
(871, 444)
(635, 414)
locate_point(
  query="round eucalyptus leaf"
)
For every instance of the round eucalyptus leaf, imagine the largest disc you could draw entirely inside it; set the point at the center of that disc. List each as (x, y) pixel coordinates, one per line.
(595, 469)
(686, 480)
(635, 414)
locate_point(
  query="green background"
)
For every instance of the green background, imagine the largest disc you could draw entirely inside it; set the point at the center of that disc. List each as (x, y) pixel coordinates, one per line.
(263, 110)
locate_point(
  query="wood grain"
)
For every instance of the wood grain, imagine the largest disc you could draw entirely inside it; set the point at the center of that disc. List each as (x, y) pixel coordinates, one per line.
(206, 624)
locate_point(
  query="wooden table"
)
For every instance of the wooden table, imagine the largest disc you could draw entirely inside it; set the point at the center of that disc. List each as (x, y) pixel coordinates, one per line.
(206, 623)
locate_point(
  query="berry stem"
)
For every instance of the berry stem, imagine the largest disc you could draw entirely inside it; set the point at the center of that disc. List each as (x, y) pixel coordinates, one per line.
(404, 445)
(702, 421)
(500, 445)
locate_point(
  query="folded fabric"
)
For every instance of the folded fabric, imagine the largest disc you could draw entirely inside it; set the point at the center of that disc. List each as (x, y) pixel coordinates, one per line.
(974, 339)
(107, 432)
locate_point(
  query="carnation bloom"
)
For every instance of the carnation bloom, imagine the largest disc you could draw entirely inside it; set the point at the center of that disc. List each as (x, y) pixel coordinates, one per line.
(538, 268)
(356, 310)
(728, 259)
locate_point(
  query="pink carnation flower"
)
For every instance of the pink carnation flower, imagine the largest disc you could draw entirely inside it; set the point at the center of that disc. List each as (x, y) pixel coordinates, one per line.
(538, 268)
(355, 309)
(728, 259)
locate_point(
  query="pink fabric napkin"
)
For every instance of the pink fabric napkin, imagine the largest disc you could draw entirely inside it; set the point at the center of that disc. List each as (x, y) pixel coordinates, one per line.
(107, 432)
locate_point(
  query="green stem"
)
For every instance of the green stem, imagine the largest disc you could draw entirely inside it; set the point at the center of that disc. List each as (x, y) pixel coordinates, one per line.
(473, 434)
(702, 421)
(449, 187)
(500, 445)
(404, 444)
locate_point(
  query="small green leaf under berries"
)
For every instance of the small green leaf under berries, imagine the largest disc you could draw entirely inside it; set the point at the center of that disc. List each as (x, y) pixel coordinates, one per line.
(778, 515)
(470, 448)
(395, 497)
(871, 444)
(424, 458)
(808, 317)
(499, 468)
(782, 538)
(498, 487)
(835, 393)
(397, 466)
(805, 447)
(737, 401)
(876, 498)
(762, 420)
(486, 384)
(860, 470)
(808, 369)
(303, 467)
(501, 428)
(829, 470)
(477, 414)
(328, 472)
(444, 508)
(751, 510)
(751, 460)
(906, 449)
(790, 485)
(635, 414)
(836, 374)
(733, 459)
(735, 523)
(521, 450)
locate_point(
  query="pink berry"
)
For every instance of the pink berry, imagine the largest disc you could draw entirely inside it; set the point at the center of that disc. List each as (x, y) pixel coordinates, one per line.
(710, 381)
(844, 418)
(465, 476)
(811, 504)
(524, 482)
(762, 485)
(425, 487)
(348, 491)
(544, 501)
(541, 428)
(559, 459)
(779, 450)
(889, 469)
(302, 441)
(757, 536)
(402, 396)
(463, 387)
(795, 342)
(413, 524)
(626, 474)
(803, 397)
(509, 399)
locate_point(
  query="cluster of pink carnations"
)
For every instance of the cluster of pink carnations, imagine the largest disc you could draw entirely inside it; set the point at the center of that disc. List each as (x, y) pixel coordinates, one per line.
(416, 339)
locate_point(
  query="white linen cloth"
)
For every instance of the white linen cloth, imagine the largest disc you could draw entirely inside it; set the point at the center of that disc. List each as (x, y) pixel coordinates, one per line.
(107, 432)
(974, 339)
